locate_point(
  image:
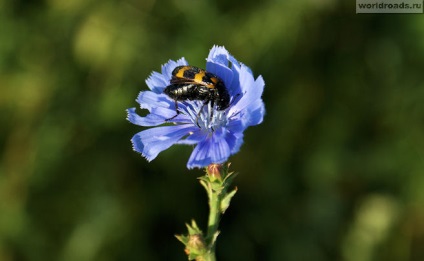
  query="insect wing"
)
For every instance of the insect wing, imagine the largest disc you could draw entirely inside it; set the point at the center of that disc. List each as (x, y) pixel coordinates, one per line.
(178, 80)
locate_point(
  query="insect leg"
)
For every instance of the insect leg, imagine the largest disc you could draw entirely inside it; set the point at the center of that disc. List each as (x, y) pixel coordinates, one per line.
(176, 110)
(212, 104)
(200, 111)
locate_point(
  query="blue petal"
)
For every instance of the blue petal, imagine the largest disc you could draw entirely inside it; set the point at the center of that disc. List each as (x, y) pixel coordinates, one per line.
(234, 136)
(252, 90)
(234, 87)
(220, 150)
(234, 140)
(233, 61)
(256, 110)
(218, 63)
(194, 138)
(157, 82)
(150, 100)
(252, 105)
(255, 114)
(246, 78)
(149, 120)
(152, 141)
(162, 105)
(213, 149)
(167, 114)
(219, 55)
(221, 71)
(198, 158)
(244, 75)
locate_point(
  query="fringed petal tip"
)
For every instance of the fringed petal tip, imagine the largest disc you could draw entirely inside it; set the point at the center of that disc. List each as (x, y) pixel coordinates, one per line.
(168, 67)
(218, 54)
(138, 146)
(157, 82)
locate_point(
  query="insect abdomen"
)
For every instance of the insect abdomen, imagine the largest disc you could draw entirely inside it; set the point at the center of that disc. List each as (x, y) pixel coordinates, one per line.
(182, 92)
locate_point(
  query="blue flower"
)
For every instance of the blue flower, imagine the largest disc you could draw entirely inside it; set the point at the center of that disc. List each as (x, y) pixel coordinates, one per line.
(216, 134)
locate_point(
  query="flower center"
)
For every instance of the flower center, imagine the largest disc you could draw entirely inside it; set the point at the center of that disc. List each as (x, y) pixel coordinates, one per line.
(209, 119)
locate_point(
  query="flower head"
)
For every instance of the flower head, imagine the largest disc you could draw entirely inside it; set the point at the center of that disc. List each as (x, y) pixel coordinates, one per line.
(217, 134)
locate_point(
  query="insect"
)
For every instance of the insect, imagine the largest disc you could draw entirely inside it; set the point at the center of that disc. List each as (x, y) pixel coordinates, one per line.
(193, 83)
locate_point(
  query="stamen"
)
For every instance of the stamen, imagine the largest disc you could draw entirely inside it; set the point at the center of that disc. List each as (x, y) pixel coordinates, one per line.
(209, 118)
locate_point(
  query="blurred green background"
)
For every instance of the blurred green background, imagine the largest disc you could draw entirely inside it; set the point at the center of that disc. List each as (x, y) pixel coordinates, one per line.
(335, 172)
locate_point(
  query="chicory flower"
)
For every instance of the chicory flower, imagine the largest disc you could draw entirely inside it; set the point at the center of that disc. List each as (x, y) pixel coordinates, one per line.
(217, 134)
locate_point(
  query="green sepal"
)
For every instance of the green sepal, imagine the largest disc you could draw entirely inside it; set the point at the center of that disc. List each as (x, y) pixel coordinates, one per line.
(225, 202)
(183, 239)
(228, 179)
(193, 229)
(215, 185)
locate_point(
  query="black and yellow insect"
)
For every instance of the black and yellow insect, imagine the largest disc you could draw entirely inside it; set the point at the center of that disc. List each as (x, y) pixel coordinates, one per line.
(192, 83)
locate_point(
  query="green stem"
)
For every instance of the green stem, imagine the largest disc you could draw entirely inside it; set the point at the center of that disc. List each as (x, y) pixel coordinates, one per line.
(210, 256)
(213, 221)
(216, 183)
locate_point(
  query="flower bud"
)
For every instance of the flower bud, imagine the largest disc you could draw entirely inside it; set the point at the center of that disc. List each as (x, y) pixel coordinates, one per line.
(195, 245)
(214, 171)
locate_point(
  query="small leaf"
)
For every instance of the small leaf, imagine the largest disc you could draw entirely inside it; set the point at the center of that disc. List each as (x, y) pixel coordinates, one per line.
(205, 184)
(217, 187)
(213, 240)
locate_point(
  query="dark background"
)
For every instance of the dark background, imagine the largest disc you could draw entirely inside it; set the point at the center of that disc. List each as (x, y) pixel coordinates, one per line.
(335, 172)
